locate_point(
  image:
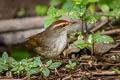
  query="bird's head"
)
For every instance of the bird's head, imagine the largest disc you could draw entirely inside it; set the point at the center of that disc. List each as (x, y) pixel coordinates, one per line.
(60, 26)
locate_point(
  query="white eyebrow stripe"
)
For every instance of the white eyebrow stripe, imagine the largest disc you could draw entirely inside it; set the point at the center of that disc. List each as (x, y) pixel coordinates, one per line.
(58, 25)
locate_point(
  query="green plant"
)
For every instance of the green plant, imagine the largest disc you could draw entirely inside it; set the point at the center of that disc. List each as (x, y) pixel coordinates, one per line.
(116, 70)
(72, 35)
(49, 65)
(53, 15)
(93, 38)
(75, 10)
(115, 57)
(41, 10)
(70, 65)
(19, 54)
(84, 10)
(57, 2)
(25, 67)
(21, 12)
(3, 62)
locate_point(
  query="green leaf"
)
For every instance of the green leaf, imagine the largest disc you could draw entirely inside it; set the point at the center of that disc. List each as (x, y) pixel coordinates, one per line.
(11, 60)
(82, 2)
(70, 62)
(38, 61)
(115, 13)
(77, 1)
(68, 5)
(92, 8)
(116, 70)
(100, 38)
(74, 14)
(104, 8)
(4, 57)
(68, 66)
(72, 35)
(80, 44)
(46, 72)
(51, 11)
(60, 12)
(73, 64)
(56, 2)
(19, 54)
(34, 71)
(49, 63)
(113, 57)
(41, 10)
(92, 19)
(97, 38)
(3, 67)
(77, 12)
(54, 65)
(49, 21)
(112, 4)
(93, 1)
(90, 39)
(21, 12)
(107, 39)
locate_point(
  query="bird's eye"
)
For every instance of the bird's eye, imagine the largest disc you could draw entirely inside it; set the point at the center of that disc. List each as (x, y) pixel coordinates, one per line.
(64, 25)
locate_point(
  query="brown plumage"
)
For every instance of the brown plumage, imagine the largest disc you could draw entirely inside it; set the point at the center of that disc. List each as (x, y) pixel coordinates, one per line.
(51, 42)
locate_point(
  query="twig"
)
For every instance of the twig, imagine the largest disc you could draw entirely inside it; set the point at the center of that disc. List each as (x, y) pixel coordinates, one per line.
(100, 64)
(118, 40)
(99, 26)
(67, 77)
(115, 51)
(32, 77)
(111, 54)
(100, 73)
(5, 77)
(110, 32)
(79, 74)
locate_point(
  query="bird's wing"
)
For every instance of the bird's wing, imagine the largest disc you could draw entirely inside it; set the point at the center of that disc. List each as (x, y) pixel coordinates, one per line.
(34, 41)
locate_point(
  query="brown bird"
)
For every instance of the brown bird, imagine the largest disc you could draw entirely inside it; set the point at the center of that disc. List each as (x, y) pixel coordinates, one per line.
(51, 42)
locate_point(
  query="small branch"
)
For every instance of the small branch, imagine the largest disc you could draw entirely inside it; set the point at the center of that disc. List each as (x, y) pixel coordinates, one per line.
(115, 51)
(79, 74)
(102, 73)
(110, 32)
(99, 26)
(118, 40)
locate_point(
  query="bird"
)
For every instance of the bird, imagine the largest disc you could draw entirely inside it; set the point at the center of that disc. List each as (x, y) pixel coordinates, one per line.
(51, 42)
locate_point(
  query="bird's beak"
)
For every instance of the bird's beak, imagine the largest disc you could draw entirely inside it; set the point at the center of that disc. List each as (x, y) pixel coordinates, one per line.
(73, 22)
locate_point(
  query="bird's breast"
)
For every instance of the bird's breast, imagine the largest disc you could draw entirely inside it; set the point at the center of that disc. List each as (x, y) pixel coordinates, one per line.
(57, 46)
(54, 46)
(60, 43)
